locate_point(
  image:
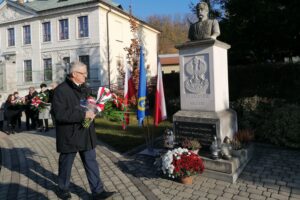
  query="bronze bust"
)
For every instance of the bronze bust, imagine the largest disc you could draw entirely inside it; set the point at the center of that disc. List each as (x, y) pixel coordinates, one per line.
(205, 28)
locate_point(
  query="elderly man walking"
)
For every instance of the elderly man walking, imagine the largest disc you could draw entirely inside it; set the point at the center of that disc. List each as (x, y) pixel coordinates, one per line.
(71, 136)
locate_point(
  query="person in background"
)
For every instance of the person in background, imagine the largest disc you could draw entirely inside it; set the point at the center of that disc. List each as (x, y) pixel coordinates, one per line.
(11, 113)
(44, 114)
(51, 93)
(31, 114)
(2, 105)
(72, 137)
(18, 104)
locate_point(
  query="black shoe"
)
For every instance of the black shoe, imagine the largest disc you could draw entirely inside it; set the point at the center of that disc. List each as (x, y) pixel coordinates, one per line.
(103, 195)
(63, 194)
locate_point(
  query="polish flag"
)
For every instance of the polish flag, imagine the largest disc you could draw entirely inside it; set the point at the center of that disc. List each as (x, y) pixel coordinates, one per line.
(129, 91)
(160, 103)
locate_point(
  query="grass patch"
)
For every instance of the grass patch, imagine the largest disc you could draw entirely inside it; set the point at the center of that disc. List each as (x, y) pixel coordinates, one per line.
(124, 140)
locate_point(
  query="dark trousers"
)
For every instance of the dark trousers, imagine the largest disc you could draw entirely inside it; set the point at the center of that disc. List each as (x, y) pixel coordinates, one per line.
(19, 122)
(91, 167)
(1, 125)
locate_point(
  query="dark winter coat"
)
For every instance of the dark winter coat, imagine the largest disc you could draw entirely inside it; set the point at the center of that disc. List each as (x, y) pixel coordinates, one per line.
(71, 136)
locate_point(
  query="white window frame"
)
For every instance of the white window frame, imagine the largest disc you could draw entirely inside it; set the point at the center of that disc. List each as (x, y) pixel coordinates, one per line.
(44, 34)
(25, 36)
(62, 32)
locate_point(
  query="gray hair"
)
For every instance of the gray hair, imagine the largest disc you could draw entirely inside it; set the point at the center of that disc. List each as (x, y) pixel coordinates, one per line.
(76, 65)
(203, 5)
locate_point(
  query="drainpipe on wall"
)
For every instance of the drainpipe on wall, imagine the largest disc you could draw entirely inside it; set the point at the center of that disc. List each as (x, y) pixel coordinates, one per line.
(108, 53)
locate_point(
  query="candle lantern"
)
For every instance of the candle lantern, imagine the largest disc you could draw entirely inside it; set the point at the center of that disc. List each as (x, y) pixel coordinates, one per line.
(169, 139)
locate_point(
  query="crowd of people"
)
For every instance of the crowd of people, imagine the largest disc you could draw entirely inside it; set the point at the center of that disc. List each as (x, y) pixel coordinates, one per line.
(12, 108)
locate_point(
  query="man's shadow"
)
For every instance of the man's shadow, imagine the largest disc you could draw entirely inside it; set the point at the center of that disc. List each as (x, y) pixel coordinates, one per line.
(33, 170)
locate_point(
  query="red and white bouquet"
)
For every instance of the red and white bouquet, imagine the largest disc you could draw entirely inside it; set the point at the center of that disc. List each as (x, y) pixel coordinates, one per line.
(97, 105)
(40, 101)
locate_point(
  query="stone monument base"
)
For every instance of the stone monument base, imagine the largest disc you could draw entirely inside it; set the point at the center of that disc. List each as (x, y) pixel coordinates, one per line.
(227, 170)
(204, 125)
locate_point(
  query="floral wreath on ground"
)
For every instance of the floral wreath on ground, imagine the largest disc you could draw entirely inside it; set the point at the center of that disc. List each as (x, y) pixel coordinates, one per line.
(181, 162)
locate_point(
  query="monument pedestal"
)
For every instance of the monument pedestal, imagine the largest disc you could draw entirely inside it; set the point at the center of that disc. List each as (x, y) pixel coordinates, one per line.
(227, 170)
(204, 101)
(204, 96)
(204, 125)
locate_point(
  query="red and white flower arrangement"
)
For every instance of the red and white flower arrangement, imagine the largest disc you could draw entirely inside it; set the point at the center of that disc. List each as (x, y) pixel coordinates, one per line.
(97, 105)
(40, 101)
(181, 162)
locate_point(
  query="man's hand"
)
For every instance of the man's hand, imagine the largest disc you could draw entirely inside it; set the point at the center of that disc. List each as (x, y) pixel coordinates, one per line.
(90, 115)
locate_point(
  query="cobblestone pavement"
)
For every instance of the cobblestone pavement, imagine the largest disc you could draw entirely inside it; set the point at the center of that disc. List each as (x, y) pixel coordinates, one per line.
(29, 171)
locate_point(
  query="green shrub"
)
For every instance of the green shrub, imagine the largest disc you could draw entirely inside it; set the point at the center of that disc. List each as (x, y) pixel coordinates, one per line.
(283, 126)
(273, 121)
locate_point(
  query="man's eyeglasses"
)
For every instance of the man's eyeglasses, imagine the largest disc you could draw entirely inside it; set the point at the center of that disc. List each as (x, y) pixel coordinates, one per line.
(82, 73)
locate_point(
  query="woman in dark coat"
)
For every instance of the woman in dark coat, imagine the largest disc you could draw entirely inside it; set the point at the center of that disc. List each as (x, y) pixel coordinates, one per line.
(11, 113)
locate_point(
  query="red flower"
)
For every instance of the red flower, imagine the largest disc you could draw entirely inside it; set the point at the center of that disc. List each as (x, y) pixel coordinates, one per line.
(187, 164)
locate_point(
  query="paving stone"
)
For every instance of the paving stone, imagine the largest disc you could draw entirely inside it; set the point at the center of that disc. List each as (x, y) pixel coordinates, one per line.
(254, 191)
(223, 198)
(256, 196)
(184, 195)
(278, 196)
(294, 198)
(233, 191)
(228, 195)
(237, 197)
(211, 196)
(267, 194)
(284, 193)
(244, 194)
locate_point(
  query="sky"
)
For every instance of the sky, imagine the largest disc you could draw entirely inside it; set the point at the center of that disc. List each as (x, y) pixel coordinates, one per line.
(144, 8)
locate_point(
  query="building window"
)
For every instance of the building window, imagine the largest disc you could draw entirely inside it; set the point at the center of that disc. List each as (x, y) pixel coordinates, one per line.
(46, 32)
(26, 34)
(11, 37)
(66, 61)
(27, 70)
(86, 60)
(63, 29)
(83, 26)
(48, 69)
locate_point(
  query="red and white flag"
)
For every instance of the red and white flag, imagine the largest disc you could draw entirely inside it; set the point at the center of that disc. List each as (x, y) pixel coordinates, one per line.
(129, 91)
(160, 103)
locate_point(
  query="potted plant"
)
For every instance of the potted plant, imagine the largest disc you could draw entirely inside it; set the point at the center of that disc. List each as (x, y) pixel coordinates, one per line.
(245, 136)
(191, 144)
(236, 147)
(182, 164)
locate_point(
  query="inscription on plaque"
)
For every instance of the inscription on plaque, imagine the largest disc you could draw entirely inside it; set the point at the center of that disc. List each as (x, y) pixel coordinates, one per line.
(203, 132)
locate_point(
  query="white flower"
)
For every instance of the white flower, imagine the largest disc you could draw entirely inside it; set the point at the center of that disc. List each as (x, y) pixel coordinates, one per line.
(167, 159)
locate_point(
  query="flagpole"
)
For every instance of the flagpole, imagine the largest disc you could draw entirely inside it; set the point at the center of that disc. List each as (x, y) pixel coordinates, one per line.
(150, 137)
